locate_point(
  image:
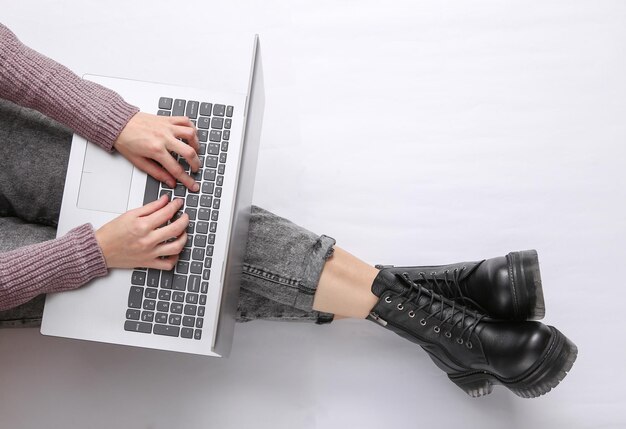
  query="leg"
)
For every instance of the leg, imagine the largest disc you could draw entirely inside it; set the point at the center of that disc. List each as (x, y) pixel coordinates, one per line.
(293, 274)
(35, 152)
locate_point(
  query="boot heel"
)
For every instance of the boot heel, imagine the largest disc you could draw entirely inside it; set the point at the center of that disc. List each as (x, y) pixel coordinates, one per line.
(475, 385)
(528, 277)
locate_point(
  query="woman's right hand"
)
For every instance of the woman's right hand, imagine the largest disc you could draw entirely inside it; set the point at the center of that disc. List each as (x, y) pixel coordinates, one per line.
(135, 239)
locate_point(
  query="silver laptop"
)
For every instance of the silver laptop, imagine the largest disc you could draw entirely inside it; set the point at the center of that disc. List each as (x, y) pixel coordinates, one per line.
(192, 308)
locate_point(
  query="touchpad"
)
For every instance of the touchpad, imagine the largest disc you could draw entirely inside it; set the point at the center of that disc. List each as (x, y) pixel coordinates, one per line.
(105, 181)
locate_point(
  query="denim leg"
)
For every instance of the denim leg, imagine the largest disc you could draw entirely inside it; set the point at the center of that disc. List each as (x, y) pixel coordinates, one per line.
(281, 270)
(34, 151)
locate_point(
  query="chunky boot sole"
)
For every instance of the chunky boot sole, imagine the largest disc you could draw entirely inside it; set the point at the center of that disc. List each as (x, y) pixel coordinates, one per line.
(539, 380)
(527, 289)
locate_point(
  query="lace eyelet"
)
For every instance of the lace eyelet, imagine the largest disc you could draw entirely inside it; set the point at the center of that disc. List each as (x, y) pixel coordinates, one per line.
(400, 307)
(423, 322)
(388, 300)
(436, 329)
(459, 340)
(448, 335)
(469, 345)
(411, 314)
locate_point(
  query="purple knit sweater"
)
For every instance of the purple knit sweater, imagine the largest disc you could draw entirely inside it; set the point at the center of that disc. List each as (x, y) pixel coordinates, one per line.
(32, 80)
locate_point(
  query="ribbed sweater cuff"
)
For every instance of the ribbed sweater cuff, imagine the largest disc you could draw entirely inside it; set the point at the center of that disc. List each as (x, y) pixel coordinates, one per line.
(52, 266)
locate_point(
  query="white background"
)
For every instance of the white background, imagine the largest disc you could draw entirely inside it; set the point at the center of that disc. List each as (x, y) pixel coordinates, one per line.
(413, 132)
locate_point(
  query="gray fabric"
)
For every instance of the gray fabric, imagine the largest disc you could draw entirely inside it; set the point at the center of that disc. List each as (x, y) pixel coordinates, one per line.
(283, 261)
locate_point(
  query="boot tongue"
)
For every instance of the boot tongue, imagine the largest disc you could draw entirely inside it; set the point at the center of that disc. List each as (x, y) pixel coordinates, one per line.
(386, 280)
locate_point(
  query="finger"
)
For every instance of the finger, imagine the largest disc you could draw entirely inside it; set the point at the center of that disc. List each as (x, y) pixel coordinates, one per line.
(170, 248)
(161, 217)
(189, 135)
(186, 152)
(150, 208)
(155, 170)
(167, 263)
(181, 120)
(172, 230)
(176, 170)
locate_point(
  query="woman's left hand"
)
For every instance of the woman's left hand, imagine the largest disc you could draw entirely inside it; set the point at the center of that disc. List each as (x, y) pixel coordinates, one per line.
(148, 140)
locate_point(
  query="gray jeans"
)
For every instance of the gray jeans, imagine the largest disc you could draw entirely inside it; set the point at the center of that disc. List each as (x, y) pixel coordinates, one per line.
(283, 261)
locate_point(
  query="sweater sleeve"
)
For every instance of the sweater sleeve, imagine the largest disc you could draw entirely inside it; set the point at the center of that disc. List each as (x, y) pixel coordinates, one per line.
(57, 265)
(33, 80)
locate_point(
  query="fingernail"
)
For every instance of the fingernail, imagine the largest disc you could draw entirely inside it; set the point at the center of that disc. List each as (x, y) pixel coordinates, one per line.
(196, 187)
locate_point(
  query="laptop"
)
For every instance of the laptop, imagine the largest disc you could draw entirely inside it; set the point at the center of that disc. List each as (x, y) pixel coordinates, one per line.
(192, 308)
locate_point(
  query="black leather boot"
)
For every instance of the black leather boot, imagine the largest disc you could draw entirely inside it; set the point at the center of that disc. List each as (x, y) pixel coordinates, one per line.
(507, 287)
(475, 351)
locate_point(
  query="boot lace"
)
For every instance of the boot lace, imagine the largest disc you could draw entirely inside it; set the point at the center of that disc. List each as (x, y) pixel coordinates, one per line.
(450, 286)
(413, 294)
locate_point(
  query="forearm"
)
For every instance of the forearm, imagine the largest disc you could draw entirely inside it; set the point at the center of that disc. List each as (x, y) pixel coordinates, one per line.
(33, 80)
(52, 266)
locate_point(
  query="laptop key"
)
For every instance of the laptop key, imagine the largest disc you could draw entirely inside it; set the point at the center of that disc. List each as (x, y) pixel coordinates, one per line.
(179, 107)
(191, 212)
(180, 282)
(199, 322)
(135, 297)
(201, 311)
(190, 310)
(217, 123)
(204, 123)
(147, 316)
(229, 111)
(215, 215)
(197, 334)
(166, 279)
(165, 294)
(142, 327)
(192, 298)
(134, 314)
(186, 333)
(151, 293)
(219, 110)
(161, 318)
(206, 274)
(202, 227)
(215, 136)
(192, 109)
(185, 255)
(228, 123)
(218, 192)
(165, 103)
(210, 174)
(164, 113)
(221, 169)
(174, 319)
(149, 304)
(206, 200)
(199, 241)
(204, 214)
(226, 134)
(182, 267)
(189, 321)
(203, 135)
(220, 181)
(224, 146)
(202, 150)
(176, 308)
(207, 187)
(213, 149)
(193, 284)
(204, 288)
(163, 306)
(138, 278)
(152, 190)
(205, 109)
(211, 161)
(153, 277)
(170, 331)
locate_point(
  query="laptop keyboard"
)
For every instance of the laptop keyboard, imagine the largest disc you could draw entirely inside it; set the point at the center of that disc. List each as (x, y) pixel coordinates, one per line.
(172, 303)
